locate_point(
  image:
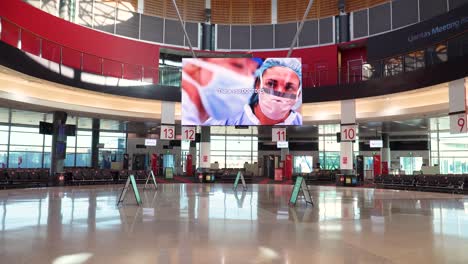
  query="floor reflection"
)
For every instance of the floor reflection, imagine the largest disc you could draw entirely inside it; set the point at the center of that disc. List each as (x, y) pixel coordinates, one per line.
(196, 223)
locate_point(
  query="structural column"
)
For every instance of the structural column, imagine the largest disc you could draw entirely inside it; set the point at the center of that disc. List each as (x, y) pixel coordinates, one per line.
(205, 148)
(348, 117)
(168, 118)
(59, 143)
(94, 143)
(207, 29)
(385, 153)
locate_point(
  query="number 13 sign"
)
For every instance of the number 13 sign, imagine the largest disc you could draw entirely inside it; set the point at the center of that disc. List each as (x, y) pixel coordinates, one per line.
(188, 133)
(167, 132)
(278, 134)
(458, 124)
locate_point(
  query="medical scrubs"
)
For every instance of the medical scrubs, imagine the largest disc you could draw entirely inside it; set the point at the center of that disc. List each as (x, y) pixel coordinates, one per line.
(248, 118)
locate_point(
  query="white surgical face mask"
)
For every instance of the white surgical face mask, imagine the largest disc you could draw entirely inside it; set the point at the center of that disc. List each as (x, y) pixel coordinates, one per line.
(275, 107)
(226, 93)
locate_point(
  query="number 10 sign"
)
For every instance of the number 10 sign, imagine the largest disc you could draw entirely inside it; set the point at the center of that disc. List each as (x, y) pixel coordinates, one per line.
(278, 134)
(348, 132)
(167, 132)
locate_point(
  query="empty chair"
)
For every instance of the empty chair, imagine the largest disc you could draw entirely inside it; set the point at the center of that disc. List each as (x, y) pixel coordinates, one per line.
(77, 176)
(88, 175)
(123, 175)
(141, 175)
(407, 180)
(107, 176)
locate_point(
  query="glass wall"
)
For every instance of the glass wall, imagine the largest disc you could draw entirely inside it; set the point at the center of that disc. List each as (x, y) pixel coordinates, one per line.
(329, 148)
(21, 145)
(449, 151)
(232, 147)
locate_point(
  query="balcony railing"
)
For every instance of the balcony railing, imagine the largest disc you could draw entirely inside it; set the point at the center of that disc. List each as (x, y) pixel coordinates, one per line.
(63, 60)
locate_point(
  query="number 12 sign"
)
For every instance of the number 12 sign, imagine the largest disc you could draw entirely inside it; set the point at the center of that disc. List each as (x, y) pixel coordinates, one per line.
(458, 124)
(278, 134)
(188, 133)
(348, 132)
(167, 132)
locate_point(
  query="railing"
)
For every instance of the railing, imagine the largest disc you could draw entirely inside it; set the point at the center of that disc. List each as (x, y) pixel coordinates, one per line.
(320, 75)
(62, 59)
(360, 71)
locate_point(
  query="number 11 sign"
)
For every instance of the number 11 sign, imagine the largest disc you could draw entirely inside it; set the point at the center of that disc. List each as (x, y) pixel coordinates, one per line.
(278, 134)
(167, 132)
(188, 133)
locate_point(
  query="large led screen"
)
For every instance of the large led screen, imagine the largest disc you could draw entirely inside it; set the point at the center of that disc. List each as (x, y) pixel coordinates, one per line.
(241, 91)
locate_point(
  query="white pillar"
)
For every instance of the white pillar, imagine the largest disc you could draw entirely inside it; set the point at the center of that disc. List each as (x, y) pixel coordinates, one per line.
(457, 106)
(348, 116)
(141, 6)
(274, 11)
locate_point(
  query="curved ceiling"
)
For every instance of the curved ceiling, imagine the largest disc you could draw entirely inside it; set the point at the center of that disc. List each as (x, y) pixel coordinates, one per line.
(23, 91)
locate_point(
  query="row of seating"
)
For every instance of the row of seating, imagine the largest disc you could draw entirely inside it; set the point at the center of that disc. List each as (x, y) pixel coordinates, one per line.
(317, 176)
(229, 175)
(96, 176)
(24, 177)
(451, 183)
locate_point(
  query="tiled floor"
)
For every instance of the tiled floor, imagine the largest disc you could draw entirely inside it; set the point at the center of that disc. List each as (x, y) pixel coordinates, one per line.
(211, 224)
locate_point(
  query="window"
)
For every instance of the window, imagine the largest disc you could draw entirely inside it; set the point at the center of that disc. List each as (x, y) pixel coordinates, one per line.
(393, 66)
(414, 60)
(448, 150)
(232, 147)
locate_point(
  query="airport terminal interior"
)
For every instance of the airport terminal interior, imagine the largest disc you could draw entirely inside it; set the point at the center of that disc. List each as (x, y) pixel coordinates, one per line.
(233, 131)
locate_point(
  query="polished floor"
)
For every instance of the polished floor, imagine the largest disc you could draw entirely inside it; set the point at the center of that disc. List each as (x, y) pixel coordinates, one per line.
(193, 223)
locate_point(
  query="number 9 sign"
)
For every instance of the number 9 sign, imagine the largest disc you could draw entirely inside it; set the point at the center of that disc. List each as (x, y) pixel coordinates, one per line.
(167, 132)
(458, 124)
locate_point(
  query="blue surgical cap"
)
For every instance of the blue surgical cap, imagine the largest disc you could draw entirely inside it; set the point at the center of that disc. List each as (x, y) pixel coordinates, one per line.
(291, 63)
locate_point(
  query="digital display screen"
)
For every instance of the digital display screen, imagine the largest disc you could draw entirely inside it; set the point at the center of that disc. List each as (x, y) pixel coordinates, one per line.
(282, 144)
(241, 91)
(150, 142)
(376, 143)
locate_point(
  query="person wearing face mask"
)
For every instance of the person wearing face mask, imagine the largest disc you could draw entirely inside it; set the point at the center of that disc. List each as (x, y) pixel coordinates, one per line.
(210, 88)
(279, 86)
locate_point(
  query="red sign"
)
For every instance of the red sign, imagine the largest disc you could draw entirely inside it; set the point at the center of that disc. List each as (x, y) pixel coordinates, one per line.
(205, 158)
(377, 165)
(345, 160)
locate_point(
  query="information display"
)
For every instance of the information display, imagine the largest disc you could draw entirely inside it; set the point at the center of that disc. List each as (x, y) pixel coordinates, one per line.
(150, 142)
(376, 143)
(241, 91)
(282, 144)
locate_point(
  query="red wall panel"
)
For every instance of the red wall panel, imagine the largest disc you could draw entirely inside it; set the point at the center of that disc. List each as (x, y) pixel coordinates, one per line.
(10, 33)
(30, 43)
(92, 64)
(351, 61)
(50, 51)
(71, 58)
(150, 75)
(112, 68)
(77, 37)
(132, 72)
(319, 65)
